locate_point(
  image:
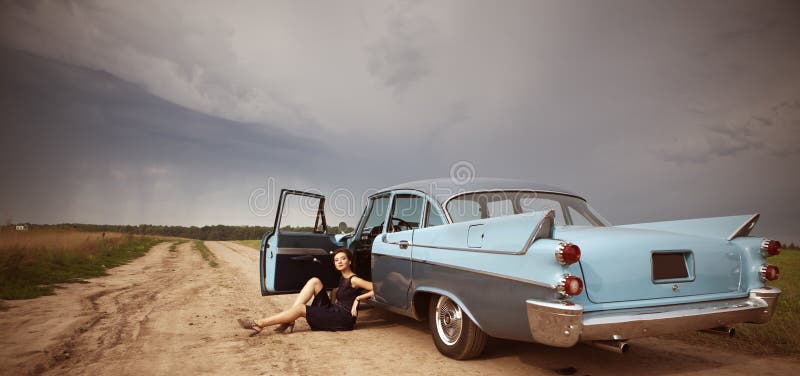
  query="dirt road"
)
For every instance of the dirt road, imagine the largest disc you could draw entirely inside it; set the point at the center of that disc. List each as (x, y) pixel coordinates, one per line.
(171, 313)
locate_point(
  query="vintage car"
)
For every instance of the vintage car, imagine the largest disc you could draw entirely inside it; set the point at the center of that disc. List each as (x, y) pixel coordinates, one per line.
(529, 262)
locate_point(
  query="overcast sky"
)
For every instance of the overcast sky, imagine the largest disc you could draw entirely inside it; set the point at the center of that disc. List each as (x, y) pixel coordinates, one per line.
(181, 112)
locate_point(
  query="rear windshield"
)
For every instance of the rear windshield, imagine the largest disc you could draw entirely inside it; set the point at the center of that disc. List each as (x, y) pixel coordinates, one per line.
(569, 210)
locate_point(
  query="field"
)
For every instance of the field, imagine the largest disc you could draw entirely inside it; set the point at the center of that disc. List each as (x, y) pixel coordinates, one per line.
(32, 262)
(255, 244)
(782, 334)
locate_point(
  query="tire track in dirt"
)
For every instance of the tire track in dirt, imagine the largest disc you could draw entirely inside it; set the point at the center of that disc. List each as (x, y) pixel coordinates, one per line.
(241, 262)
(123, 312)
(176, 321)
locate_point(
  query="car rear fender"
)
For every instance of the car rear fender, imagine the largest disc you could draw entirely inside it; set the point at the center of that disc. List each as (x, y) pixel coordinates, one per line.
(428, 290)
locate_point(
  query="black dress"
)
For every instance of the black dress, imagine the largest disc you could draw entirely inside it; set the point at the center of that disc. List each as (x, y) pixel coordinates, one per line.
(324, 315)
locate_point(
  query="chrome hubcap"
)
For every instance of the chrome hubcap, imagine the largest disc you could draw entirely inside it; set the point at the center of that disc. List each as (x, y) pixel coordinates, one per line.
(448, 320)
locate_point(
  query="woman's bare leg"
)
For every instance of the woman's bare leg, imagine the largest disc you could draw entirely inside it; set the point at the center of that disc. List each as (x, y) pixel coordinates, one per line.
(286, 317)
(310, 290)
(298, 309)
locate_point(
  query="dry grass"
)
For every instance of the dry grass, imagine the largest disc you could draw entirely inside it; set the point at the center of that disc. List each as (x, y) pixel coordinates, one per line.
(32, 262)
(255, 244)
(209, 256)
(73, 241)
(174, 246)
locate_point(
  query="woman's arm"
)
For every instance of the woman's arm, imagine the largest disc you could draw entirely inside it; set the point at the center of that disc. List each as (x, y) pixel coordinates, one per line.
(362, 284)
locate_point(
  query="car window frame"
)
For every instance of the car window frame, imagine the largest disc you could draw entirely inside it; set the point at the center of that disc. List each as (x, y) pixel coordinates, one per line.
(370, 207)
(602, 221)
(428, 207)
(389, 213)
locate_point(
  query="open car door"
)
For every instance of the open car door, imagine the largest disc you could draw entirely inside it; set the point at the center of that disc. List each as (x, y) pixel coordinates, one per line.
(295, 251)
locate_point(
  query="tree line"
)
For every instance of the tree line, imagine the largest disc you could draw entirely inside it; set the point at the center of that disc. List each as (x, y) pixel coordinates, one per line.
(216, 232)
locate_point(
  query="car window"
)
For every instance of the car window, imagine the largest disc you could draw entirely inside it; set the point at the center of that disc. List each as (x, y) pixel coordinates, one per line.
(435, 217)
(377, 212)
(406, 212)
(301, 214)
(532, 204)
(577, 218)
(491, 204)
(462, 210)
(499, 208)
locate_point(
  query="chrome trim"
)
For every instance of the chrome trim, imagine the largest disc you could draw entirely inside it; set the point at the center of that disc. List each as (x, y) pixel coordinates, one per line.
(619, 347)
(425, 195)
(447, 213)
(560, 253)
(393, 256)
(722, 330)
(300, 251)
(449, 321)
(523, 280)
(765, 248)
(556, 323)
(561, 287)
(536, 234)
(762, 272)
(745, 228)
(495, 251)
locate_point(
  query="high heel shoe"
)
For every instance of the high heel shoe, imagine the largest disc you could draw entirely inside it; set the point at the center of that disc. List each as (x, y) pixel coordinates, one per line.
(251, 325)
(282, 328)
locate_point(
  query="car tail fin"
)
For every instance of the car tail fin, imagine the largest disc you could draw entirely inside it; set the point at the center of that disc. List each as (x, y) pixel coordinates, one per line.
(718, 227)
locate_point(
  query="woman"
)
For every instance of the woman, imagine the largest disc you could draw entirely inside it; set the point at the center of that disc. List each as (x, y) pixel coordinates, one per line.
(322, 314)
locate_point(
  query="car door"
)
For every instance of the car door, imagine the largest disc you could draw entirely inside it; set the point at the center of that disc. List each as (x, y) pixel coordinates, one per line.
(298, 247)
(391, 251)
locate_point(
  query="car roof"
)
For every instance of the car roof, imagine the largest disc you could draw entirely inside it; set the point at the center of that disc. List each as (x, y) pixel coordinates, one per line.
(443, 188)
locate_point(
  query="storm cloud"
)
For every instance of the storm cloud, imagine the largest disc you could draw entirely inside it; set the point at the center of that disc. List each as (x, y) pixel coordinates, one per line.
(176, 112)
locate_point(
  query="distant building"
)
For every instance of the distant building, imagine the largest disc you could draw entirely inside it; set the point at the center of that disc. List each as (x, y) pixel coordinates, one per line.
(22, 227)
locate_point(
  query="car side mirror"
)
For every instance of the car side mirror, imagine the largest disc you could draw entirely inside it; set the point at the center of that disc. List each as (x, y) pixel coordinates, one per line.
(342, 227)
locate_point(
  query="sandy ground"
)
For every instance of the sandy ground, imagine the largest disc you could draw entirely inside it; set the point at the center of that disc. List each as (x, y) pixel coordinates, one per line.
(171, 313)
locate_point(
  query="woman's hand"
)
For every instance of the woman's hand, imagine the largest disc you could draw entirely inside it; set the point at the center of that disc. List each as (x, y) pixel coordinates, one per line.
(354, 310)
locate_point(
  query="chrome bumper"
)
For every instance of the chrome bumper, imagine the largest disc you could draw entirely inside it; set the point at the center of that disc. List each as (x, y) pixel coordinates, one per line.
(563, 324)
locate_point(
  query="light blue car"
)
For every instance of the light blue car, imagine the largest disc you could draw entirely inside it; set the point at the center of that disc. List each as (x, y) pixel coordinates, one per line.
(528, 262)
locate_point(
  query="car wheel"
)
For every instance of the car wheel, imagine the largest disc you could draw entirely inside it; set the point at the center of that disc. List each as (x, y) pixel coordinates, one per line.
(454, 333)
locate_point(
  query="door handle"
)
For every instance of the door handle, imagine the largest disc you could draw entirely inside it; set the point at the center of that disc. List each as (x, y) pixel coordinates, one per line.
(403, 244)
(305, 258)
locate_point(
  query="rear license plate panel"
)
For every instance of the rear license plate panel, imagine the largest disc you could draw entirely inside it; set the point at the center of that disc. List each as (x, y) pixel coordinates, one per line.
(672, 266)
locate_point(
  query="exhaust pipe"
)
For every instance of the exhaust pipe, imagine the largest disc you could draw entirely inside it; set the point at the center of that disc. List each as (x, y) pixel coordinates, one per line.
(722, 330)
(619, 347)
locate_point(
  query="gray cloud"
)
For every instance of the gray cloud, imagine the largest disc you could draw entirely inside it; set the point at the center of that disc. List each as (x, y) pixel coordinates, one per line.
(89, 147)
(776, 131)
(174, 113)
(400, 57)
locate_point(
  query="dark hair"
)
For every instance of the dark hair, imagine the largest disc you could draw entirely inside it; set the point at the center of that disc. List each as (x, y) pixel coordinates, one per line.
(345, 251)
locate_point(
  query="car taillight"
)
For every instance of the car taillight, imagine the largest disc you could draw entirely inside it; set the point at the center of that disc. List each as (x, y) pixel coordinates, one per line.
(570, 285)
(568, 253)
(770, 248)
(769, 272)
